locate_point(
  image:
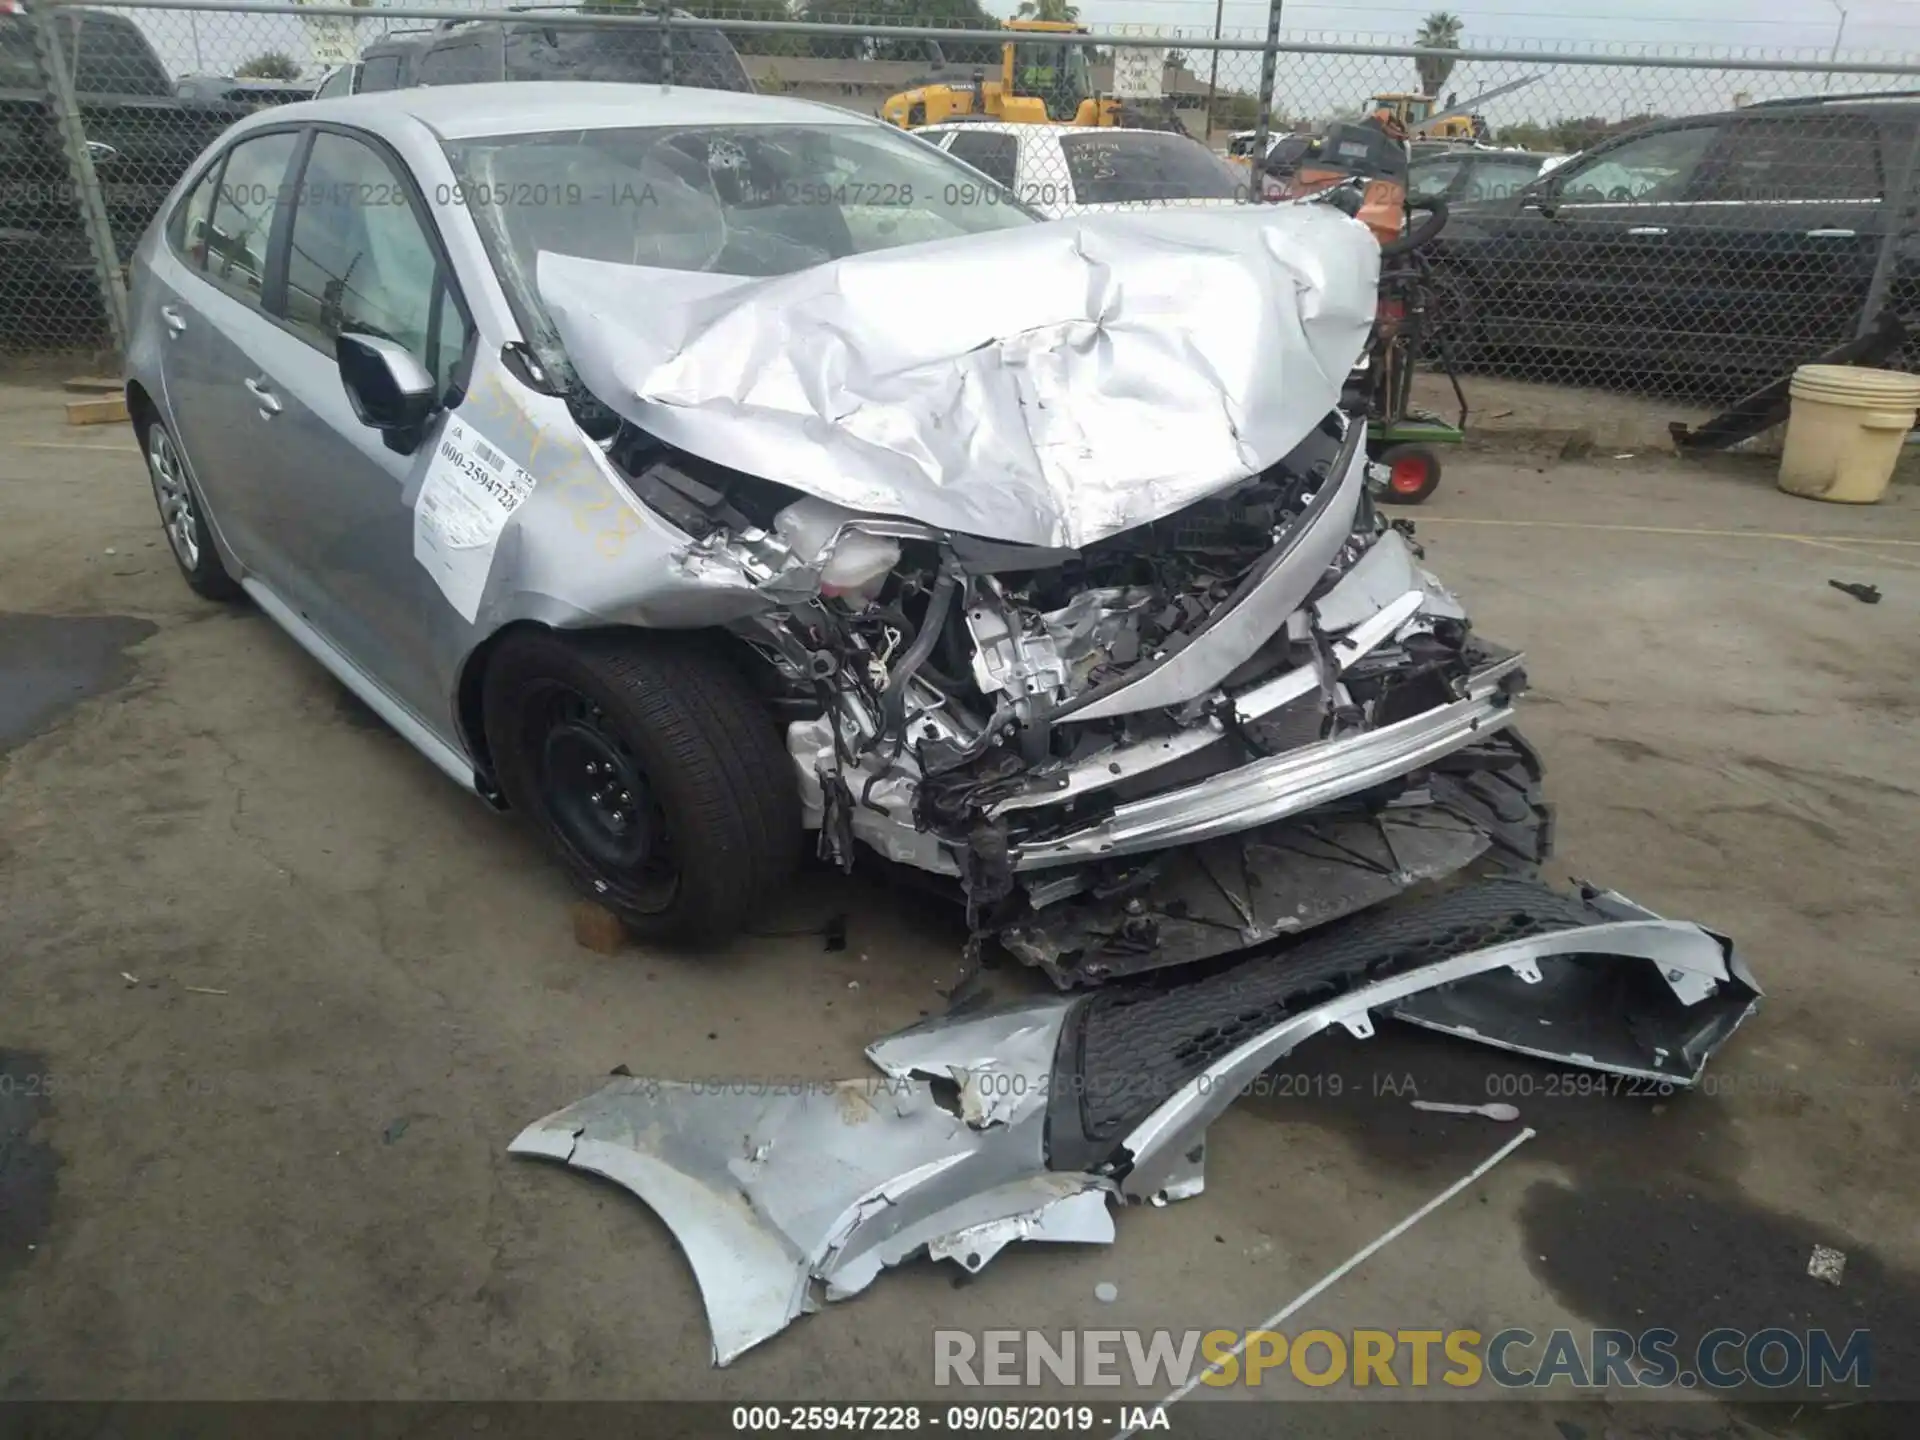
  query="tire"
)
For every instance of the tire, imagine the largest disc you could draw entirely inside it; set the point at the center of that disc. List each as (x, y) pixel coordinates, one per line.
(183, 516)
(653, 773)
(1415, 474)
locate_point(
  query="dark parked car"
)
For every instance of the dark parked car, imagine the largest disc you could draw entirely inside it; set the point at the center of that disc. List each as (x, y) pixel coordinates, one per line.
(141, 137)
(528, 47)
(1727, 248)
(1467, 175)
(245, 91)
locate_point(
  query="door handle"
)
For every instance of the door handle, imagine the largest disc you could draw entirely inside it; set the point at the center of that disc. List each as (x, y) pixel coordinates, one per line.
(1648, 230)
(1829, 234)
(173, 319)
(269, 402)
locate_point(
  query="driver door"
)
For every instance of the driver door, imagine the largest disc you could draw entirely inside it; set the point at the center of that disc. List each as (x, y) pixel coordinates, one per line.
(1611, 251)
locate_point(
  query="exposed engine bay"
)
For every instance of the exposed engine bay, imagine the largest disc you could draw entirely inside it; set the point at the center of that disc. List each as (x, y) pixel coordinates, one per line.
(1229, 723)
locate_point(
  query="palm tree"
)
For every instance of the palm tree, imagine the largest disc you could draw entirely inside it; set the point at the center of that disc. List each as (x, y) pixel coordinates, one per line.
(1439, 31)
(1059, 11)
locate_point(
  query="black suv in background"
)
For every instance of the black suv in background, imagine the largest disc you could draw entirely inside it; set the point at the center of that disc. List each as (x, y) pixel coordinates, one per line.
(1725, 249)
(467, 51)
(141, 136)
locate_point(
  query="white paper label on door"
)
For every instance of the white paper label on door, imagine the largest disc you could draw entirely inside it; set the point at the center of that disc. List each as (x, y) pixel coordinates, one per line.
(470, 492)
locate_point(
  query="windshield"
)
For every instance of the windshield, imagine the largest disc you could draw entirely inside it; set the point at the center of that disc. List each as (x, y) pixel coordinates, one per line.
(1109, 168)
(725, 199)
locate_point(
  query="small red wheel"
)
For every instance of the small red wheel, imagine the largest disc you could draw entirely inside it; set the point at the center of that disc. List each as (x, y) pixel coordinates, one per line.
(1413, 473)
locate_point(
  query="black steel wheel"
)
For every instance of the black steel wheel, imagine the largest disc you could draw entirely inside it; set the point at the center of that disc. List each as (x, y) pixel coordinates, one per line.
(651, 770)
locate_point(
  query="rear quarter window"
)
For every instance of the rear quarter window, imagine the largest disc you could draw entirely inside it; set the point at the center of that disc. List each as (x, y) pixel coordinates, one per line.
(1795, 157)
(1109, 169)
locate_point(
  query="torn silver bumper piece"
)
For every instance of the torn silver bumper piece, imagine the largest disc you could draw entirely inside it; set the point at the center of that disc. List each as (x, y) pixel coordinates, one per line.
(1022, 1123)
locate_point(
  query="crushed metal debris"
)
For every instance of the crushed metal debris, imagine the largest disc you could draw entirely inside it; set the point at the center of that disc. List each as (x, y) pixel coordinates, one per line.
(1032, 1121)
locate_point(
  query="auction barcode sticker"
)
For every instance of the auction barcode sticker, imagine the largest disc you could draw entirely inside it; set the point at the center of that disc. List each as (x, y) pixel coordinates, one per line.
(469, 493)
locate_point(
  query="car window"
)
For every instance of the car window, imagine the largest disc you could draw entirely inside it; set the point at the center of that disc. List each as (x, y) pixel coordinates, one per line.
(1142, 166)
(112, 57)
(1291, 150)
(380, 72)
(467, 62)
(358, 259)
(243, 208)
(704, 59)
(340, 82)
(18, 68)
(1431, 177)
(1649, 169)
(1795, 158)
(992, 153)
(187, 229)
(1492, 179)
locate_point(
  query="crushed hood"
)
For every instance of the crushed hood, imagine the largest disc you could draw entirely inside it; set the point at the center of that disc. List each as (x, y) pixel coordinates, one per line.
(1046, 385)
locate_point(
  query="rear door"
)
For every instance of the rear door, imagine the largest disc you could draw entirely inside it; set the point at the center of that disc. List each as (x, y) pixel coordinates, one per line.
(219, 334)
(1788, 223)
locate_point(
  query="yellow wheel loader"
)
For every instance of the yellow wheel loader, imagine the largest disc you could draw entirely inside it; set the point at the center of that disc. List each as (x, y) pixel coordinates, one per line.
(1037, 83)
(1415, 115)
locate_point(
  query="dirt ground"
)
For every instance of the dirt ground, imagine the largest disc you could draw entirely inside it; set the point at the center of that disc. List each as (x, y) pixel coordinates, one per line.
(292, 993)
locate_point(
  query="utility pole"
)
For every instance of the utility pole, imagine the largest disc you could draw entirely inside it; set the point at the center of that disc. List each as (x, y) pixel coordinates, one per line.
(1213, 78)
(1269, 61)
(1833, 56)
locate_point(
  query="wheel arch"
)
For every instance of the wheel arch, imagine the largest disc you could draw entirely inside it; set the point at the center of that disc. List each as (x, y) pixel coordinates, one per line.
(142, 410)
(469, 707)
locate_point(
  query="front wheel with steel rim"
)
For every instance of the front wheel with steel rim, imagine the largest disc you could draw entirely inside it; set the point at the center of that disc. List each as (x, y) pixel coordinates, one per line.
(183, 516)
(651, 770)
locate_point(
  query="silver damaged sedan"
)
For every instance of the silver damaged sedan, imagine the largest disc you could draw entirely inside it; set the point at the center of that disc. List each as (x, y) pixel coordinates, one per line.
(705, 476)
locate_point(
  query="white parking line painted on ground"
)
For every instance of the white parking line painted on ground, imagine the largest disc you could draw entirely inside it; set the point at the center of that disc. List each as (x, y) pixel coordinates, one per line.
(1352, 1262)
(76, 445)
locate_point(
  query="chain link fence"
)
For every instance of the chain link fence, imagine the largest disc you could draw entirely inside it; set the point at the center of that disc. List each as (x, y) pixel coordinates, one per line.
(1694, 223)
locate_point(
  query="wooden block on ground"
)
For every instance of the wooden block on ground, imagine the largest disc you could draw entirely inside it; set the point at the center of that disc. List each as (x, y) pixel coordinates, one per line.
(103, 410)
(95, 385)
(597, 928)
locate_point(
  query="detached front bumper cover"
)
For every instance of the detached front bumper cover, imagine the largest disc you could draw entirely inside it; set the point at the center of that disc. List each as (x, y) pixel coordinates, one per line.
(1021, 1124)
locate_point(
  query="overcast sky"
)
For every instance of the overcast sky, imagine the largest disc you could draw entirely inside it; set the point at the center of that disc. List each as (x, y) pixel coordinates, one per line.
(1314, 87)
(1796, 26)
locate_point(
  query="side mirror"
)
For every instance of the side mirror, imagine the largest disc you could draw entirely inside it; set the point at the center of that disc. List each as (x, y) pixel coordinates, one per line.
(391, 391)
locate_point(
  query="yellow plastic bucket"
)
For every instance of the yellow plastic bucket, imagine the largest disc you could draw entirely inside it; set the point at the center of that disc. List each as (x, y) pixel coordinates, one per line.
(1845, 430)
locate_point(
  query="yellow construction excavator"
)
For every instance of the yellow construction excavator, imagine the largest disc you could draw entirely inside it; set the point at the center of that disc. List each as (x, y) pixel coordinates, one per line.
(1037, 83)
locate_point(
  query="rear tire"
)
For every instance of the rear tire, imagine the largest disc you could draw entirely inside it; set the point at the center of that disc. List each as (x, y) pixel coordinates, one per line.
(1413, 474)
(653, 773)
(183, 516)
